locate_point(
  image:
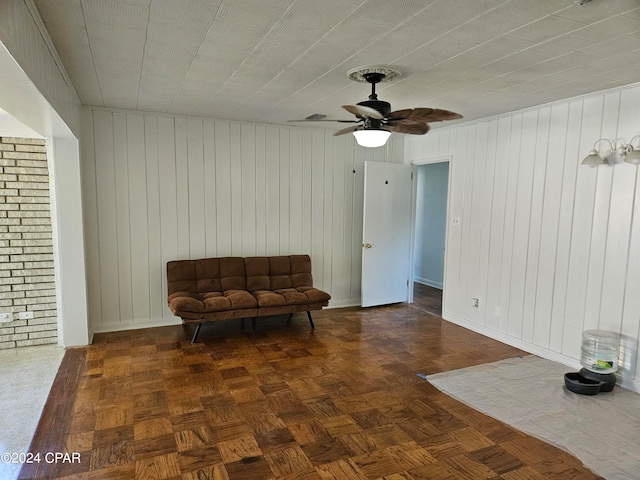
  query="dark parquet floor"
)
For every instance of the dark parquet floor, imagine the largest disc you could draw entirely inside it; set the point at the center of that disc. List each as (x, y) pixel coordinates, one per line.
(341, 402)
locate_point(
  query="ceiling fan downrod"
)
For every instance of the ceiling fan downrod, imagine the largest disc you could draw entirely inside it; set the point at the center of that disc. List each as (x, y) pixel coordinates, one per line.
(373, 78)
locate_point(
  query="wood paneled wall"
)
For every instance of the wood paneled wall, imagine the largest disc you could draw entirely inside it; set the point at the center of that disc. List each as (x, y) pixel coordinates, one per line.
(550, 247)
(159, 188)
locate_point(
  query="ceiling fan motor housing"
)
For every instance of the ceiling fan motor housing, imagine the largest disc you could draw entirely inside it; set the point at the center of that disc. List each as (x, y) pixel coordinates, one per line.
(381, 106)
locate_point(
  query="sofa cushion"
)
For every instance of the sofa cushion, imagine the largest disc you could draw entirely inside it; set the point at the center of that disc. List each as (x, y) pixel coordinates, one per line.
(219, 274)
(227, 300)
(314, 295)
(290, 296)
(185, 302)
(181, 276)
(208, 302)
(257, 269)
(278, 272)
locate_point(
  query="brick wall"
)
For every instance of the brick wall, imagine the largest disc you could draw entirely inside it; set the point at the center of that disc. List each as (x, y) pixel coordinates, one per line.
(27, 279)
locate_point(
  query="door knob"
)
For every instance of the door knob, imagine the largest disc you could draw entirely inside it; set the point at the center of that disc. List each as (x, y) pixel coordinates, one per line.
(367, 245)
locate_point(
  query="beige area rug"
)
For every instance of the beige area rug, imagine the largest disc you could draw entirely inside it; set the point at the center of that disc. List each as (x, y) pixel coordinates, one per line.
(528, 393)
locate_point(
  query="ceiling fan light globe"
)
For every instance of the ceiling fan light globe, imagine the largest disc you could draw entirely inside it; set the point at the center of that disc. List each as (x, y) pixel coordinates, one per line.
(371, 138)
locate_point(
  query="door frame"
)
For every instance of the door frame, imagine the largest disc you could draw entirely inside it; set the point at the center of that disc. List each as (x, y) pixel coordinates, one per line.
(414, 212)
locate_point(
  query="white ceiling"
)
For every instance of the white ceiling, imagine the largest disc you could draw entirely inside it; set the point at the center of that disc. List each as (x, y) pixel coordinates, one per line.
(274, 60)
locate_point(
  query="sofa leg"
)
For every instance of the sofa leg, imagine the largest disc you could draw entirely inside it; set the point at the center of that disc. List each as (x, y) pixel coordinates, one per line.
(310, 320)
(253, 321)
(289, 317)
(195, 334)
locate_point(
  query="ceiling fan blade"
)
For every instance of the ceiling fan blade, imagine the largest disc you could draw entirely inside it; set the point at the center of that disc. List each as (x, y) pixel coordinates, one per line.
(413, 128)
(325, 120)
(346, 130)
(363, 111)
(426, 115)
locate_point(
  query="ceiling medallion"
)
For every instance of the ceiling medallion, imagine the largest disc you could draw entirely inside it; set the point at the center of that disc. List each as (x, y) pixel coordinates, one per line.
(386, 73)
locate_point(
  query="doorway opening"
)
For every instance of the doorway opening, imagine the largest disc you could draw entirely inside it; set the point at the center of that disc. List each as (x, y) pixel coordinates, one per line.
(432, 193)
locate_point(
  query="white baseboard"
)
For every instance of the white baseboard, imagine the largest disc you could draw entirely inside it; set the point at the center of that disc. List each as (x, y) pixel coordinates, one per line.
(352, 302)
(428, 282)
(138, 324)
(572, 363)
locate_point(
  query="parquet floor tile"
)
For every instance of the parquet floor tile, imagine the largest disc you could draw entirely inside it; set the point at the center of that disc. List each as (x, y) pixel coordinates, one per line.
(340, 402)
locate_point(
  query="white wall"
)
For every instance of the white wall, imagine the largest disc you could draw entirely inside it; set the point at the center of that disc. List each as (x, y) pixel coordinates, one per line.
(550, 247)
(159, 188)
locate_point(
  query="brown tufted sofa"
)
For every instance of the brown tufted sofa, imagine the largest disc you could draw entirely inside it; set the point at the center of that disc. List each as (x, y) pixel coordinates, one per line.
(224, 288)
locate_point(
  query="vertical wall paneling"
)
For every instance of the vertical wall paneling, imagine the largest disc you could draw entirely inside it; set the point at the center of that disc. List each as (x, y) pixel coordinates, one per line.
(535, 223)
(621, 303)
(307, 138)
(295, 191)
(466, 148)
(455, 232)
(327, 211)
(160, 188)
(337, 225)
(574, 313)
(123, 215)
(152, 185)
(571, 162)
(619, 222)
(195, 185)
(223, 189)
(549, 224)
(522, 201)
(139, 216)
(273, 190)
(348, 220)
(235, 157)
(498, 206)
(601, 212)
(91, 231)
(248, 175)
(513, 170)
(550, 242)
(485, 231)
(261, 191)
(630, 331)
(477, 151)
(209, 179)
(358, 206)
(317, 208)
(182, 186)
(107, 232)
(168, 192)
(284, 162)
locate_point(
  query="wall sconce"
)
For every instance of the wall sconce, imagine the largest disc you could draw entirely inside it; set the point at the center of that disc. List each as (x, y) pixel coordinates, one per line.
(618, 150)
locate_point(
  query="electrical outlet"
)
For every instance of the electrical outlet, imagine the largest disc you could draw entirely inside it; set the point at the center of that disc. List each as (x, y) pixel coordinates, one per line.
(6, 317)
(25, 315)
(475, 303)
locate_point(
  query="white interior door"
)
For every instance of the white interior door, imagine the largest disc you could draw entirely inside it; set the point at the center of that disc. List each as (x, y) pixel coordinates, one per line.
(386, 258)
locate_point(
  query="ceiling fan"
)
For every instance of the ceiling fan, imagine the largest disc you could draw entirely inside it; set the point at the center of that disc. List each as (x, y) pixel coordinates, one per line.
(375, 120)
